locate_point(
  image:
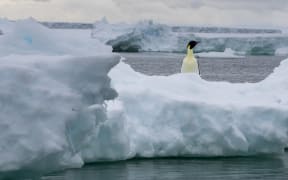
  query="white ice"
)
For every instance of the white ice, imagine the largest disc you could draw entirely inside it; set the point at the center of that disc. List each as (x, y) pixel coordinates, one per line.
(30, 37)
(52, 89)
(57, 108)
(228, 53)
(184, 115)
(105, 31)
(49, 106)
(282, 51)
(149, 36)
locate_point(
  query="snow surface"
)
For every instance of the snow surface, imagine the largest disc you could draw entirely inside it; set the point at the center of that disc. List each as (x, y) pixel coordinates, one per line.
(104, 31)
(53, 88)
(240, 35)
(145, 36)
(30, 37)
(58, 109)
(282, 51)
(183, 115)
(228, 53)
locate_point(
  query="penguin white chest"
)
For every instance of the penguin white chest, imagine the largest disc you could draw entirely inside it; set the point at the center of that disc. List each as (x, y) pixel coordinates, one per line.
(189, 65)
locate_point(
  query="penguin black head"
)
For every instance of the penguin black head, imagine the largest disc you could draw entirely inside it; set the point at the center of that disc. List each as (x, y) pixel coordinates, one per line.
(192, 44)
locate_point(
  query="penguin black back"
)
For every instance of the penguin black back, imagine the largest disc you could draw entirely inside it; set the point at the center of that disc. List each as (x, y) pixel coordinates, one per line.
(192, 44)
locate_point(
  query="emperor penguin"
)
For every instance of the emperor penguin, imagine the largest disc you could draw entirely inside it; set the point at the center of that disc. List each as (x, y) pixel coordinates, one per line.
(190, 64)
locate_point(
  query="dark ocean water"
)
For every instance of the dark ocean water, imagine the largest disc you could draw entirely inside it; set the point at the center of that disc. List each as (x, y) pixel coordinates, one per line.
(242, 168)
(250, 69)
(247, 69)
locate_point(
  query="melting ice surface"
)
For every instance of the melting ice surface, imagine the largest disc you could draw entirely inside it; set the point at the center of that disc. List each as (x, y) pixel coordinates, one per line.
(58, 109)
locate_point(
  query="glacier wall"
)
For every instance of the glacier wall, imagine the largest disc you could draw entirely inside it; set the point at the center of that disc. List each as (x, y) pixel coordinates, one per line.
(148, 36)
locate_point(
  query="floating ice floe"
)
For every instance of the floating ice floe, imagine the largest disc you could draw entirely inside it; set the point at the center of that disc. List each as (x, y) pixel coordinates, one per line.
(282, 51)
(228, 53)
(58, 109)
(184, 115)
(50, 106)
(53, 89)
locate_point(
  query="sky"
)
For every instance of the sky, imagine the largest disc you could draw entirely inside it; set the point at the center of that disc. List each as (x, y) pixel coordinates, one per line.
(267, 13)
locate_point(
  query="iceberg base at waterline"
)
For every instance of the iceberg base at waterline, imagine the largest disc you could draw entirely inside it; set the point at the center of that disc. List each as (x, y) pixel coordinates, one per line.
(61, 112)
(49, 106)
(183, 115)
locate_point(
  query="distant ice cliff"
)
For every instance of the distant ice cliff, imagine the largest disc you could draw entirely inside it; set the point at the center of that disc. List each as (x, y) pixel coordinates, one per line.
(149, 36)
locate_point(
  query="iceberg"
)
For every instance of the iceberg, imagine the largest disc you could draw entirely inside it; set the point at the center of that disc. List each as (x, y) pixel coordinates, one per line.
(183, 115)
(53, 89)
(61, 112)
(104, 31)
(228, 53)
(49, 107)
(148, 36)
(30, 37)
(282, 51)
(61, 106)
(225, 30)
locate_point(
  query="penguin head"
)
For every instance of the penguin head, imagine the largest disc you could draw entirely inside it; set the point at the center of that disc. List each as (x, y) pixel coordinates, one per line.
(192, 44)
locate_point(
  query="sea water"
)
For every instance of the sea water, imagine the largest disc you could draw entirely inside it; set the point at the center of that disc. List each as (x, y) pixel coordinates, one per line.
(249, 69)
(243, 69)
(265, 167)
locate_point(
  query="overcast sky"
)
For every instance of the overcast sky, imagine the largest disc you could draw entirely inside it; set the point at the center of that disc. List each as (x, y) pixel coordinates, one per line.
(186, 12)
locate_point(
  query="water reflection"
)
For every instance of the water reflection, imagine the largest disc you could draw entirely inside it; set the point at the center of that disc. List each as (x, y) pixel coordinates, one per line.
(164, 169)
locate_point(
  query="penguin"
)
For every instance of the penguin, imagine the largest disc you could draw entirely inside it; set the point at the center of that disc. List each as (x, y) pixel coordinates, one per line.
(190, 64)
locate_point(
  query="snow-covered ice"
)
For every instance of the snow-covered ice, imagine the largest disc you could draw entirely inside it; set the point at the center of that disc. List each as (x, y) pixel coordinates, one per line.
(30, 37)
(48, 108)
(183, 115)
(104, 31)
(228, 53)
(58, 108)
(282, 51)
(52, 92)
(149, 36)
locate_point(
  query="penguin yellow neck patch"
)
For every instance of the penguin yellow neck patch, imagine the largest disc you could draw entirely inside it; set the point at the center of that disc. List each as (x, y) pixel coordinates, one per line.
(190, 52)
